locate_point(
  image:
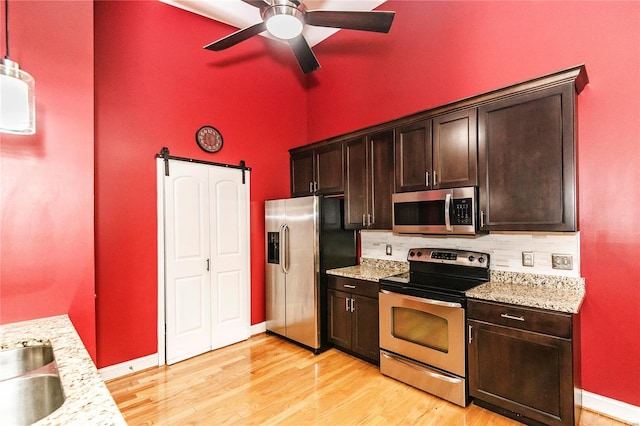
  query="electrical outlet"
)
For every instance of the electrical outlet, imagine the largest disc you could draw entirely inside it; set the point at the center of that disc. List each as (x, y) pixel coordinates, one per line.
(562, 261)
(389, 250)
(527, 258)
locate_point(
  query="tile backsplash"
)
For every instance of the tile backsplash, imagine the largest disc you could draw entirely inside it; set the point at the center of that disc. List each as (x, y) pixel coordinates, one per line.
(505, 248)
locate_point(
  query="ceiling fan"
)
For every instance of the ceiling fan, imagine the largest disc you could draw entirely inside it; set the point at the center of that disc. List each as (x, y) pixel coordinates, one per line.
(285, 19)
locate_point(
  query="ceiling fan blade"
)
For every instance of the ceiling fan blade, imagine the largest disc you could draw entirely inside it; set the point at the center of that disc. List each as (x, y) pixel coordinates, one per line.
(237, 37)
(376, 20)
(257, 3)
(304, 54)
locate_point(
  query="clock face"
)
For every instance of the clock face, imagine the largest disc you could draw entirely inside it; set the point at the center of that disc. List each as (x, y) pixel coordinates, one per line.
(209, 139)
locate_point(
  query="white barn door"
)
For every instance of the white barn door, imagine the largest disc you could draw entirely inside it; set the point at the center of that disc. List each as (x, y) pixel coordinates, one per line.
(207, 263)
(230, 315)
(188, 287)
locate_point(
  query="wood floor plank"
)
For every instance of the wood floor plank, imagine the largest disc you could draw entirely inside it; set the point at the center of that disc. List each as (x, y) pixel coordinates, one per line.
(267, 380)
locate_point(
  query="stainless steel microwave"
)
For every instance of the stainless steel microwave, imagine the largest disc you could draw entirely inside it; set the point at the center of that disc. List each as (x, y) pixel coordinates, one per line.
(439, 211)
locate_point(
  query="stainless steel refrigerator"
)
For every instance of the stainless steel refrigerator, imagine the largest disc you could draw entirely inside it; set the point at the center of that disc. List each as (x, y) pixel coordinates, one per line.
(304, 238)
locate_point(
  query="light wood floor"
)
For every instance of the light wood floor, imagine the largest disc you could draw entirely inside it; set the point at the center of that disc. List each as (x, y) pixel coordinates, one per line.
(267, 380)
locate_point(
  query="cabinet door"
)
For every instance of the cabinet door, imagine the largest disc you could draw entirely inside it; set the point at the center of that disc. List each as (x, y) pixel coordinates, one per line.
(365, 335)
(413, 157)
(339, 319)
(455, 149)
(527, 161)
(355, 194)
(329, 169)
(302, 174)
(380, 177)
(528, 374)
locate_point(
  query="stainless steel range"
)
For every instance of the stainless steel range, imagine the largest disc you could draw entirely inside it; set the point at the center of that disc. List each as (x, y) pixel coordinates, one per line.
(422, 320)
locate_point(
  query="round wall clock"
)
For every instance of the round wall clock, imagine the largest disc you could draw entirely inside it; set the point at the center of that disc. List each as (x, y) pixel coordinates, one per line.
(209, 139)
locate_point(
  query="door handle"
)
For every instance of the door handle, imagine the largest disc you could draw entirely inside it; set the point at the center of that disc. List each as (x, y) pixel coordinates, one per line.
(447, 219)
(346, 304)
(208, 262)
(422, 300)
(284, 248)
(353, 304)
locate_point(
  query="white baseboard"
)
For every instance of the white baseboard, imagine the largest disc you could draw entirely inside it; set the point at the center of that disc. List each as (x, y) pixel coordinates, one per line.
(258, 328)
(128, 367)
(134, 365)
(612, 408)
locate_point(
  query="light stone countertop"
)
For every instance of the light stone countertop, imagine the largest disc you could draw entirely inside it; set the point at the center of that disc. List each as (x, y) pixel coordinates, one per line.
(561, 294)
(371, 269)
(88, 401)
(555, 293)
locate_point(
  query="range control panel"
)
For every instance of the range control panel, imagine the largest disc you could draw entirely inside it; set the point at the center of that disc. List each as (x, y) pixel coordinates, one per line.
(449, 256)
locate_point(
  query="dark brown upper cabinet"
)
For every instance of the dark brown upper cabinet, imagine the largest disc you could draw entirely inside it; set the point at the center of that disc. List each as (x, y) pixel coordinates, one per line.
(369, 181)
(318, 171)
(455, 149)
(527, 161)
(437, 153)
(414, 156)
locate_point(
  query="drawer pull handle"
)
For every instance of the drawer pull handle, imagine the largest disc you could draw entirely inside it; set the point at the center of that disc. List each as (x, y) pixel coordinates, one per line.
(348, 286)
(511, 317)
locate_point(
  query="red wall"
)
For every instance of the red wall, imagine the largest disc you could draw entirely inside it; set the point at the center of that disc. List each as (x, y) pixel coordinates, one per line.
(46, 230)
(155, 86)
(438, 52)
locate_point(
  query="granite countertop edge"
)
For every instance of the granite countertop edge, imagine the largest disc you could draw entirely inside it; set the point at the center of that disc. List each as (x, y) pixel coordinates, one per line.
(371, 269)
(554, 293)
(87, 399)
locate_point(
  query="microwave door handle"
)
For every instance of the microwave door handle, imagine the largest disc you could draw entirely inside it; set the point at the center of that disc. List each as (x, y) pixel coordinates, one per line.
(447, 218)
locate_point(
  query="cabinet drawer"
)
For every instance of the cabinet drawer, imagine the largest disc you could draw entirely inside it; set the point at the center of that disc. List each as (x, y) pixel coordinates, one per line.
(531, 319)
(353, 286)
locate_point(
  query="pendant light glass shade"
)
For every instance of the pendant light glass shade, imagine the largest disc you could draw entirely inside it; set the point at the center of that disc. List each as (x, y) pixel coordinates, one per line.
(17, 100)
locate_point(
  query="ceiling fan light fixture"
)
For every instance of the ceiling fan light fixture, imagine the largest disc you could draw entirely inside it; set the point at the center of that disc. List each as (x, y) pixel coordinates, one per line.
(283, 20)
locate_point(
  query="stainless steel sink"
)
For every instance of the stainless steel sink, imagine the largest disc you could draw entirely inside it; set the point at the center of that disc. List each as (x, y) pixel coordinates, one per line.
(30, 388)
(15, 362)
(25, 400)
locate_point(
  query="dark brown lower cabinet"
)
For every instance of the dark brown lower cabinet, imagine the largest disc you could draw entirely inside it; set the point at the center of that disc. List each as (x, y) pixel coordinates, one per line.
(521, 362)
(353, 317)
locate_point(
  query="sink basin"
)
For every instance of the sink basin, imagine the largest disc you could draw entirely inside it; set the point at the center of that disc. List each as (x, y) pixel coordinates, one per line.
(25, 400)
(15, 362)
(30, 387)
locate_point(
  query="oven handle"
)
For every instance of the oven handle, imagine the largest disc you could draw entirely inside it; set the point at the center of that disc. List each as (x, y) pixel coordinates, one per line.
(420, 368)
(423, 300)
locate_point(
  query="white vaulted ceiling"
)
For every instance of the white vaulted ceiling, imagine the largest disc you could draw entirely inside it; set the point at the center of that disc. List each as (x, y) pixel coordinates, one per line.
(240, 15)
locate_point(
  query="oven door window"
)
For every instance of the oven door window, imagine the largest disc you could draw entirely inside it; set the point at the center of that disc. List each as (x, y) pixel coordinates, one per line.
(421, 328)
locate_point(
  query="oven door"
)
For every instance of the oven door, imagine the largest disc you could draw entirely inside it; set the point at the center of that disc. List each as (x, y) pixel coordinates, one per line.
(429, 331)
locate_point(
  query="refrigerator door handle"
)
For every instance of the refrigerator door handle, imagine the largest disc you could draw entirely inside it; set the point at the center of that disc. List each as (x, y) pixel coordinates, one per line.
(284, 248)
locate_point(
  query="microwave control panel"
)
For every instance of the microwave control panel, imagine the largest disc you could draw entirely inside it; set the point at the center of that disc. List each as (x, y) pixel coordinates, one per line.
(462, 211)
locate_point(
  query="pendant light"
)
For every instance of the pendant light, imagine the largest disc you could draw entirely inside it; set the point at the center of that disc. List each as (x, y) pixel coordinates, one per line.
(17, 93)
